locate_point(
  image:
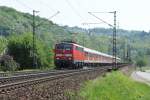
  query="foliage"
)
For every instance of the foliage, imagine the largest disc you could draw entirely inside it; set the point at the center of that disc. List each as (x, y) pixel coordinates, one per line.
(141, 63)
(20, 47)
(3, 44)
(100, 39)
(115, 86)
(8, 64)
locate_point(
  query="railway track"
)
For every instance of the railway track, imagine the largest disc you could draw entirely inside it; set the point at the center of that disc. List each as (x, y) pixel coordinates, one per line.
(9, 74)
(8, 84)
(12, 85)
(30, 76)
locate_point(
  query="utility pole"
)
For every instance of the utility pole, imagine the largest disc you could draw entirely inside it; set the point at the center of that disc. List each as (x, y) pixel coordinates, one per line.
(34, 26)
(114, 48)
(128, 53)
(34, 41)
(83, 40)
(114, 43)
(124, 52)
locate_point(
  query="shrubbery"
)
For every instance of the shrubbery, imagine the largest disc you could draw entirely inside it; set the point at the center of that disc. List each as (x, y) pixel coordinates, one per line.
(8, 64)
(3, 44)
(20, 47)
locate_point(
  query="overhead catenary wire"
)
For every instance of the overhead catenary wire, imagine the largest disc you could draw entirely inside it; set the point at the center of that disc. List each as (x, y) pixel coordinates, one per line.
(46, 5)
(88, 23)
(91, 13)
(76, 11)
(24, 5)
(54, 15)
(56, 12)
(73, 9)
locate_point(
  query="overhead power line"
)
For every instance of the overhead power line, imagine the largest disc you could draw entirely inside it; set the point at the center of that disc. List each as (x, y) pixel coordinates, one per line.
(86, 23)
(91, 13)
(54, 15)
(74, 10)
(114, 61)
(24, 5)
(28, 7)
(47, 6)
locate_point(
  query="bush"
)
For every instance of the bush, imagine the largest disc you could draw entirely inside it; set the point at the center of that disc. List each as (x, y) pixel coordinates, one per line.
(141, 62)
(21, 48)
(8, 64)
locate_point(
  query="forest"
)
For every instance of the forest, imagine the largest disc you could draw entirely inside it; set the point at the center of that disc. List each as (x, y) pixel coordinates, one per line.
(16, 39)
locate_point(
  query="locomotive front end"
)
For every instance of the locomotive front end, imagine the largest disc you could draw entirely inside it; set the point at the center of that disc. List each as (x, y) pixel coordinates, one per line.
(63, 55)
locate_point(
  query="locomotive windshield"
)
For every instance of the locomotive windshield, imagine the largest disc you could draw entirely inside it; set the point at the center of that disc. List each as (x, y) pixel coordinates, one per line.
(64, 46)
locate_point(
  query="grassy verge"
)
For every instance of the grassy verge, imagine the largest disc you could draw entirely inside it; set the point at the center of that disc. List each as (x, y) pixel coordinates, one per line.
(115, 86)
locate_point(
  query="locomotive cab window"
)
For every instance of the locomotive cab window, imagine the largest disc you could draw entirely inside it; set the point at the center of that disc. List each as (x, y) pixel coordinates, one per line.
(68, 47)
(59, 46)
(64, 46)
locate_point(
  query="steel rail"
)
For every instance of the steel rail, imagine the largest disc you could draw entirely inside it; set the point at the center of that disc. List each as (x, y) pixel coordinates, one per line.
(8, 74)
(12, 86)
(13, 79)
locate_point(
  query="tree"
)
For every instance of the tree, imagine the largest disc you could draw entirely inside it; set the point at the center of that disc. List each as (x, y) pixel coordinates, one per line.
(141, 63)
(20, 47)
(7, 63)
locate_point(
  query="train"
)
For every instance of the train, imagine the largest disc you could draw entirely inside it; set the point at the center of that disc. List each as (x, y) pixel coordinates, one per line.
(73, 56)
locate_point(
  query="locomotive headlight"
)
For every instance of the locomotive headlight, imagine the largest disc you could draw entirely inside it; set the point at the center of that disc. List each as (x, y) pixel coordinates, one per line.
(57, 58)
(69, 58)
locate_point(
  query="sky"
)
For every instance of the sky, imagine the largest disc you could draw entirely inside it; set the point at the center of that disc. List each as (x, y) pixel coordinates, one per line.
(131, 14)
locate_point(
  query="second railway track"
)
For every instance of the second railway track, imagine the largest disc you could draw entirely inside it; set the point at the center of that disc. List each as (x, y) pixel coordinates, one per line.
(35, 75)
(25, 77)
(44, 78)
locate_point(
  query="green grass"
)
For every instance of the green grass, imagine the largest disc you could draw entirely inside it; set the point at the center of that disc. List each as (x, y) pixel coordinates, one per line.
(115, 86)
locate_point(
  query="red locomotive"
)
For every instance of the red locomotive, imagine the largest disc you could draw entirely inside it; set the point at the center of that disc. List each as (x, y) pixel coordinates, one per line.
(72, 55)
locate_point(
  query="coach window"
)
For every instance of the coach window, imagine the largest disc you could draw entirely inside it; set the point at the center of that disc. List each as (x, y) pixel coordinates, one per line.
(82, 49)
(91, 55)
(86, 54)
(79, 49)
(76, 48)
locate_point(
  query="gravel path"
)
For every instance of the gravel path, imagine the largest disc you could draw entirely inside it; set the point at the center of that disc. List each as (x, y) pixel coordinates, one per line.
(141, 77)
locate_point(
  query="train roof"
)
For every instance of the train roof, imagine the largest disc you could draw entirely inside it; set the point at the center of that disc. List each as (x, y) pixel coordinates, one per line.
(98, 53)
(93, 51)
